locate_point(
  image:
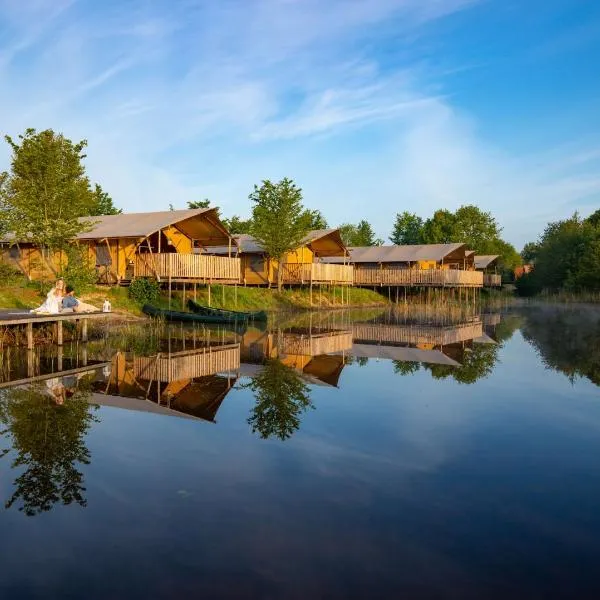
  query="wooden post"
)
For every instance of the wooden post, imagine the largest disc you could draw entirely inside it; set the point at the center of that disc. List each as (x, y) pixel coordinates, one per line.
(84, 330)
(59, 333)
(30, 372)
(209, 294)
(60, 358)
(30, 336)
(235, 292)
(195, 285)
(183, 298)
(223, 294)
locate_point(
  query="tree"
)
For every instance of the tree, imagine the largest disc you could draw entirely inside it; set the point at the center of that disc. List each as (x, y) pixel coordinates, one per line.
(476, 228)
(103, 203)
(281, 397)
(408, 229)
(530, 252)
(46, 191)
(317, 220)
(440, 228)
(361, 234)
(279, 221)
(199, 203)
(237, 225)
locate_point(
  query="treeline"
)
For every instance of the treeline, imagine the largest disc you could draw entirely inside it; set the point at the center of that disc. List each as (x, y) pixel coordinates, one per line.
(566, 257)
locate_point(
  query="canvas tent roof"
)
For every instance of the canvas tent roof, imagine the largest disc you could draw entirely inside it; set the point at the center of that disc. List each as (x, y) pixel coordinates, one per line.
(393, 254)
(140, 225)
(484, 261)
(325, 242)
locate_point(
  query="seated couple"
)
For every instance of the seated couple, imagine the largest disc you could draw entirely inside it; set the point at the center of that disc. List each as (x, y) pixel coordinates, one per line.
(61, 300)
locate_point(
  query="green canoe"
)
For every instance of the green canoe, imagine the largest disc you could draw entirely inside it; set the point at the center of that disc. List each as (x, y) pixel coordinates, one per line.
(259, 315)
(190, 317)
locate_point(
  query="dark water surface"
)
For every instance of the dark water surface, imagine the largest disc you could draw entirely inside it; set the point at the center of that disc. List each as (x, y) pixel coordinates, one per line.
(345, 456)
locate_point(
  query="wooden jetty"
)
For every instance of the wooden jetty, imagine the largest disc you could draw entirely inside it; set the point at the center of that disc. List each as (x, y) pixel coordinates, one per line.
(27, 319)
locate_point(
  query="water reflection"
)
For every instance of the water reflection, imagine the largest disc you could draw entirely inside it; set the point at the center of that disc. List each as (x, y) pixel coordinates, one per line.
(45, 426)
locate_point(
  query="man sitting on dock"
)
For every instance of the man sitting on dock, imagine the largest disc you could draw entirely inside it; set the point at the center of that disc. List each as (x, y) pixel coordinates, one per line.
(72, 304)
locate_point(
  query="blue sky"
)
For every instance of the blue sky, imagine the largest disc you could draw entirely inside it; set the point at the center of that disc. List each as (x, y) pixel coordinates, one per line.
(372, 106)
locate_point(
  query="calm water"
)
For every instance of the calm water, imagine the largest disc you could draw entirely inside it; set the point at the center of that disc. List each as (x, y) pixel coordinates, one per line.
(330, 456)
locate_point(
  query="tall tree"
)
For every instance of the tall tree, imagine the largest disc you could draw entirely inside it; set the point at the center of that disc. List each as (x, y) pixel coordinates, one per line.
(279, 220)
(103, 203)
(237, 225)
(199, 203)
(440, 228)
(317, 220)
(476, 228)
(361, 234)
(46, 190)
(530, 252)
(408, 229)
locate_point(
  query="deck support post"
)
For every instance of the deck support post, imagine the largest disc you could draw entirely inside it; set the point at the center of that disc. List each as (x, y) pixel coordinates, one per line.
(84, 330)
(235, 295)
(30, 363)
(59, 333)
(183, 297)
(29, 336)
(209, 294)
(223, 294)
(195, 292)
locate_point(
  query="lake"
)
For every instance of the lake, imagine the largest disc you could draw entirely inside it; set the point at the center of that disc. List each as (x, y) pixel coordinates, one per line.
(334, 455)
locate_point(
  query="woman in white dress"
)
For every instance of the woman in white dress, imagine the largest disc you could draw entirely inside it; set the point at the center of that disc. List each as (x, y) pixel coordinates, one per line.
(53, 302)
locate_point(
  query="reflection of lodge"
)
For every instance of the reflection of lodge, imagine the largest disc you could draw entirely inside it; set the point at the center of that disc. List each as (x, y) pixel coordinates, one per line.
(318, 355)
(193, 382)
(441, 345)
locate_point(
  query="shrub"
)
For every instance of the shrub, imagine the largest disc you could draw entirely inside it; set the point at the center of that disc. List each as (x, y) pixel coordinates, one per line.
(528, 284)
(78, 273)
(9, 274)
(144, 290)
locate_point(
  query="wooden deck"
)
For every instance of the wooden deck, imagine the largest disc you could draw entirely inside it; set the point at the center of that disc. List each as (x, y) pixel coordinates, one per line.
(374, 276)
(15, 318)
(492, 280)
(199, 268)
(316, 344)
(306, 273)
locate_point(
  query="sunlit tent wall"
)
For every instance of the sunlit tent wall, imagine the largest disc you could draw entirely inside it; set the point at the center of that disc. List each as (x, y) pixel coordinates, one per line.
(424, 264)
(33, 262)
(301, 266)
(155, 244)
(488, 265)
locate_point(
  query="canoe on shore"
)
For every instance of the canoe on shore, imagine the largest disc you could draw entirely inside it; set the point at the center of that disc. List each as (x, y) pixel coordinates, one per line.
(190, 317)
(258, 315)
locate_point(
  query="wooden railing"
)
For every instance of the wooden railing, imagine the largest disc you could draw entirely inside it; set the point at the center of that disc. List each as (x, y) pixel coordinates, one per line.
(417, 277)
(188, 364)
(378, 333)
(492, 280)
(199, 267)
(315, 345)
(303, 273)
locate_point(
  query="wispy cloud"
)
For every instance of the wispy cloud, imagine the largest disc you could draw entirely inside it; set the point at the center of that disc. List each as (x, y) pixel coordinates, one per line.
(203, 99)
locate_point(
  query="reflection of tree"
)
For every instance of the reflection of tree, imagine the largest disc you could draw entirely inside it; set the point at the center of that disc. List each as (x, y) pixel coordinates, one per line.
(477, 362)
(281, 397)
(48, 441)
(566, 340)
(403, 367)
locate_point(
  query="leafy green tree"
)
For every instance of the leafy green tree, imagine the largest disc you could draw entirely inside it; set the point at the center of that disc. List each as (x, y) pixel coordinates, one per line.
(361, 234)
(199, 203)
(279, 220)
(46, 191)
(594, 219)
(281, 398)
(237, 225)
(408, 229)
(403, 367)
(440, 228)
(530, 252)
(317, 220)
(103, 203)
(476, 228)
(48, 444)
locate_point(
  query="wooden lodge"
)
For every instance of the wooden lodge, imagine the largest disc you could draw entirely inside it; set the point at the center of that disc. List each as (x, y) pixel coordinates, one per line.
(303, 266)
(488, 265)
(426, 265)
(167, 244)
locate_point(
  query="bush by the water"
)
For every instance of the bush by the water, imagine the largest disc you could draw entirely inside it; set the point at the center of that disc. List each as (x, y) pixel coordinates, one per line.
(144, 290)
(78, 273)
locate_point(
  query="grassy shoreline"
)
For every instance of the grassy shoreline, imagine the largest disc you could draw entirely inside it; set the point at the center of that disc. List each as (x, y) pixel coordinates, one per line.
(18, 295)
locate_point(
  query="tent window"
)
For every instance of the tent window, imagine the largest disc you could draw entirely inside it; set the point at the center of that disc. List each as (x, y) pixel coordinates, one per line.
(103, 258)
(257, 264)
(15, 252)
